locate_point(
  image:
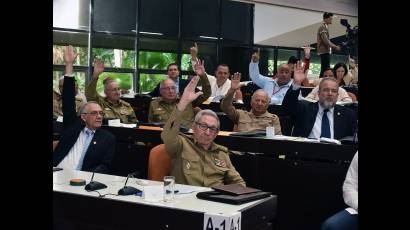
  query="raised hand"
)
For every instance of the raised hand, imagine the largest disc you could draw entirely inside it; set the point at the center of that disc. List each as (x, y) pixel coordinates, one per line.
(69, 58)
(194, 51)
(200, 68)
(98, 68)
(189, 94)
(298, 75)
(69, 55)
(306, 51)
(236, 81)
(256, 56)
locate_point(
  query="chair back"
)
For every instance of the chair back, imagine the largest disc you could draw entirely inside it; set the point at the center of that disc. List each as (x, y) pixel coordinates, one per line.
(159, 163)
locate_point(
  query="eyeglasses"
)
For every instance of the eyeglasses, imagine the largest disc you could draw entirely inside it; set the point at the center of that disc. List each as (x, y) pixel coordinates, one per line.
(95, 113)
(169, 88)
(204, 127)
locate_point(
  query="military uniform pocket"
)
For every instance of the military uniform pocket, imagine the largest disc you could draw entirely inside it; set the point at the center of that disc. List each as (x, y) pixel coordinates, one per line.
(190, 166)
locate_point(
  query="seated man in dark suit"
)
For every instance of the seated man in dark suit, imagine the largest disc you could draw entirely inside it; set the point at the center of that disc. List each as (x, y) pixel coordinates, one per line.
(319, 119)
(173, 73)
(83, 145)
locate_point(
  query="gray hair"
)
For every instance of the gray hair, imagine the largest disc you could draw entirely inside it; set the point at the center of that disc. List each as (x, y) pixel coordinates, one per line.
(261, 90)
(327, 79)
(208, 112)
(161, 84)
(84, 106)
(108, 82)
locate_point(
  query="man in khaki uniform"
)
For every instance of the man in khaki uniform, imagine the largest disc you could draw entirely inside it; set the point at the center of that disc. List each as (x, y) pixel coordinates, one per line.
(58, 102)
(113, 106)
(257, 118)
(196, 159)
(161, 108)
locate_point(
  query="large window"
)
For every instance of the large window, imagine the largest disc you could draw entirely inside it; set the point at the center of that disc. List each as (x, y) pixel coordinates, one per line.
(149, 81)
(125, 81)
(79, 77)
(155, 60)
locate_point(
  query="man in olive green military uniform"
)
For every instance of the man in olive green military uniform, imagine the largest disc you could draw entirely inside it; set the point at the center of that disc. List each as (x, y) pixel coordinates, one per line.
(161, 108)
(58, 102)
(113, 106)
(257, 118)
(196, 159)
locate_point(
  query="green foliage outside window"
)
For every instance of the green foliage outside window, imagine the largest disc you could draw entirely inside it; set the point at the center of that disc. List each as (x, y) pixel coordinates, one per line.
(270, 67)
(155, 60)
(124, 58)
(79, 77)
(149, 81)
(81, 60)
(124, 80)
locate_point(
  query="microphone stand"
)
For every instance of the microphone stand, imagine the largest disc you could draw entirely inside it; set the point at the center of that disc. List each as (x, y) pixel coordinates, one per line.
(94, 185)
(128, 190)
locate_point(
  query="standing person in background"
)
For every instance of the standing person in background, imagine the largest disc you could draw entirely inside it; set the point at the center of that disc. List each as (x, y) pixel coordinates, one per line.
(324, 45)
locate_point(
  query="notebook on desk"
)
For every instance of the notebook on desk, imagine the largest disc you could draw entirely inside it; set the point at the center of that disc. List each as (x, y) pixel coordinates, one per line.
(231, 199)
(235, 189)
(233, 194)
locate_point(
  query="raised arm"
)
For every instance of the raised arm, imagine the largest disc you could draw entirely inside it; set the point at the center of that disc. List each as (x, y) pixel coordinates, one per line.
(68, 94)
(91, 89)
(226, 104)
(206, 86)
(169, 135)
(289, 103)
(254, 73)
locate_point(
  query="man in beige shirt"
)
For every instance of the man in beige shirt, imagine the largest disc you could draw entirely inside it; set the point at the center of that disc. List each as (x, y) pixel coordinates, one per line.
(161, 108)
(257, 118)
(196, 159)
(324, 45)
(113, 106)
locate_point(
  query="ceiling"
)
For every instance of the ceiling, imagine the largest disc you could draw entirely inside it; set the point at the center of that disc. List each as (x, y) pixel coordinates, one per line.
(293, 23)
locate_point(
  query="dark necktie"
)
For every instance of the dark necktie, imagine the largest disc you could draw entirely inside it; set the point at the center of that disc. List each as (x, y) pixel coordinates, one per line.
(325, 125)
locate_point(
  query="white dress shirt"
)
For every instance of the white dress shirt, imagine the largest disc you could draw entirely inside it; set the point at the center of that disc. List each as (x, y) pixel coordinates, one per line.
(72, 159)
(350, 186)
(317, 127)
(269, 85)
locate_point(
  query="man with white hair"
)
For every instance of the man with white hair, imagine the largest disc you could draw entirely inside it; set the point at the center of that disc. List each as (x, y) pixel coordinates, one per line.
(82, 144)
(257, 118)
(113, 106)
(318, 119)
(196, 159)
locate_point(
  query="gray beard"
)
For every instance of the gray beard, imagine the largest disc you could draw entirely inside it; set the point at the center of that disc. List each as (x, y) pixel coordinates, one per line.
(327, 104)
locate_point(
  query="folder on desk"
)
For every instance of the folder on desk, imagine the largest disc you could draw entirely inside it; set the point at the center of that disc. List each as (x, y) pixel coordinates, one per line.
(235, 189)
(233, 194)
(231, 199)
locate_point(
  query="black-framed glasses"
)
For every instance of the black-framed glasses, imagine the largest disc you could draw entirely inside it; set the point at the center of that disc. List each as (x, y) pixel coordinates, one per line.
(94, 113)
(204, 127)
